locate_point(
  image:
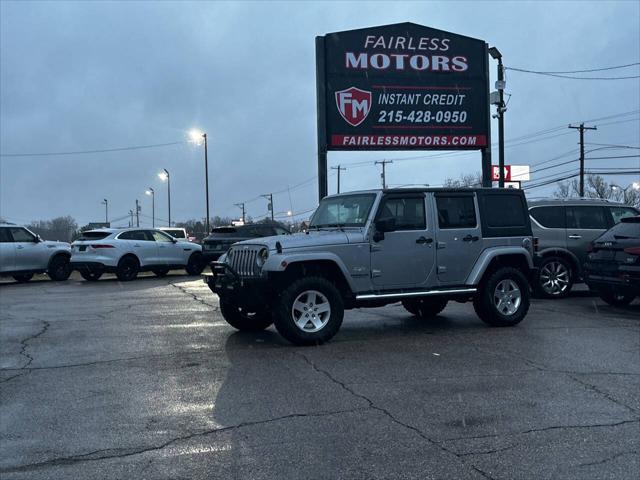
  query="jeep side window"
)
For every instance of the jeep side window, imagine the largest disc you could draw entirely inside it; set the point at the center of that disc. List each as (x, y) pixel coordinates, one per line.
(549, 217)
(586, 217)
(408, 212)
(456, 211)
(21, 235)
(618, 213)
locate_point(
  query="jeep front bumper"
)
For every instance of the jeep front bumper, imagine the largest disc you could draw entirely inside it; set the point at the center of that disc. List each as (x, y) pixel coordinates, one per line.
(228, 285)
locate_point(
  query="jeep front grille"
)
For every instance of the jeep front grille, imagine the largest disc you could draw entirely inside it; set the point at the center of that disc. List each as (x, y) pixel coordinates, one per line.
(243, 260)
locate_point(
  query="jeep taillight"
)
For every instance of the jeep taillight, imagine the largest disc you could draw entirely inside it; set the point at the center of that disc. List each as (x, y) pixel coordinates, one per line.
(633, 251)
(102, 246)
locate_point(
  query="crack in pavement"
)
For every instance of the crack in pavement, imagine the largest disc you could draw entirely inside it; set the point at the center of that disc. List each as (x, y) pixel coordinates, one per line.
(194, 296)
(23, 351)
(608, 396)
(608, 459)
(109, 453)
(389, 415)
(488, 452)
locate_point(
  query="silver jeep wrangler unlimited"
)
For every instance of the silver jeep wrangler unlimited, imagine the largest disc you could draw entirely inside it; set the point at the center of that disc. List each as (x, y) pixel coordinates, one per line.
(422, 247)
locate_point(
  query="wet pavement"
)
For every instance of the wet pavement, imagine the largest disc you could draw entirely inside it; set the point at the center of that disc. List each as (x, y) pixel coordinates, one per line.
(145, 380)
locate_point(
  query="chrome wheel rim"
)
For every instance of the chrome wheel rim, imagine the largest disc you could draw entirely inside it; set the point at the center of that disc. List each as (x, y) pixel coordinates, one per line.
(311, 311)
(507, 297)
(554, 278)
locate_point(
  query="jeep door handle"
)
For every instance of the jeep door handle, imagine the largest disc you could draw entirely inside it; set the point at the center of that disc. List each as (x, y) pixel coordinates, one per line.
(575, 237)
(423, 240)
(471, 238)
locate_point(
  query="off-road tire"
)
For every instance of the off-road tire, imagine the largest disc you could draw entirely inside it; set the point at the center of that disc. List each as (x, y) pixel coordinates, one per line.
(425, 307)
(484, 302)
(23, 278)
(283, 315)
(195, 265)
(561, 269)
(616, 300)
(128, 268)
(160, 272)
(243, 320)
(91, 275)
(59, 269)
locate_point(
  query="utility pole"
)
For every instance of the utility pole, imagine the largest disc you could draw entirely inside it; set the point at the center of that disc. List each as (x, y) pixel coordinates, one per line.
(339, 168)
(105, 202)
(270, 197)
(582, 128)
(241, 205)
(137, 213)
(384, 173)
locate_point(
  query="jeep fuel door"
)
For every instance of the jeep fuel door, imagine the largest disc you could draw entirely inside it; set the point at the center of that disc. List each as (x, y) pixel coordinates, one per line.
(459, 237)
(405, 256)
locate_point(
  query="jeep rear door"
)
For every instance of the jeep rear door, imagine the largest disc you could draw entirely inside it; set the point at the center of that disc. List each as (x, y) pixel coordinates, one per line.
(458, 237)
(404, 257)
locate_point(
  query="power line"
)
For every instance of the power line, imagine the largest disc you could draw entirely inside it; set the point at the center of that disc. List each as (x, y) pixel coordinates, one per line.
(577, 71)
(83, 152)
(572, 77)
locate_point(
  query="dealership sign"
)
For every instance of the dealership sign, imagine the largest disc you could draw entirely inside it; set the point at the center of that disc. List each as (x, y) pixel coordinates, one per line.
(401, 87)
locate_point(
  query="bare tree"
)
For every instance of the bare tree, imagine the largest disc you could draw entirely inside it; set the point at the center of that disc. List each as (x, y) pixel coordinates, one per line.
(465, 180)
(597, 187)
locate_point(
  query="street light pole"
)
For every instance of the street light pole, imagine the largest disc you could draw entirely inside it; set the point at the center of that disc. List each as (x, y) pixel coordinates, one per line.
(105, 202)
(152, 192)
(206, 174)
(164, 175)
(495, 53)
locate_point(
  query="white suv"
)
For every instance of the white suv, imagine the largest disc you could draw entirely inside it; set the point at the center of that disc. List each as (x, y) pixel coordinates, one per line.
(126, 252)
(23, 253)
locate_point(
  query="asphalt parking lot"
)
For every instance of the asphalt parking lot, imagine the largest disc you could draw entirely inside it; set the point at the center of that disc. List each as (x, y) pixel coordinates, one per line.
(145, 380)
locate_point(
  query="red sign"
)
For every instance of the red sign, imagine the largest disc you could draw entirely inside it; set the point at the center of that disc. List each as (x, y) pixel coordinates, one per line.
(354, 105)
(495, 173)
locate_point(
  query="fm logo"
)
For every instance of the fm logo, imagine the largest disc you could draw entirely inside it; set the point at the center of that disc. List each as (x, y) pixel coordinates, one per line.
(354, 105)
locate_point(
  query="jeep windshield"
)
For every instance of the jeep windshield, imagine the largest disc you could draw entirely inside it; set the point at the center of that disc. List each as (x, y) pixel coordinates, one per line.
(343, 211)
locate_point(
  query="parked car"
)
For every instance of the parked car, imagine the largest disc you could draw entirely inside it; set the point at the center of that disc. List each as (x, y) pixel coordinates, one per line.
(613, 263)
(23, 254)
(563, 230)
(222, 238)
(423, 247)
(177, 232)
(126, 252)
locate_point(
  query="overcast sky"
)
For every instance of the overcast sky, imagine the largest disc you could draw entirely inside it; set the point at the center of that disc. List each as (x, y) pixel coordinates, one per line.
(97, 75)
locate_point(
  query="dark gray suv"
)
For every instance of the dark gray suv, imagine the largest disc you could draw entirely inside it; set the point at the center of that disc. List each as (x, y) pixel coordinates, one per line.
(564, 229)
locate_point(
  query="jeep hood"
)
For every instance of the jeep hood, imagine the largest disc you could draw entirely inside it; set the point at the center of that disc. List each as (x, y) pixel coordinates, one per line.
(312, 239)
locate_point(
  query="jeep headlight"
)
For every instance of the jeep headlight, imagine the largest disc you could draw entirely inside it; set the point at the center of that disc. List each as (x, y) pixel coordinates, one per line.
(263, 254)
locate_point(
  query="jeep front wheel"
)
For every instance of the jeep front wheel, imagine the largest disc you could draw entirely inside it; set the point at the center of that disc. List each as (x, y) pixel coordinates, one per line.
(244, 320)
(425, 307)
(309, 311)
(503, 299)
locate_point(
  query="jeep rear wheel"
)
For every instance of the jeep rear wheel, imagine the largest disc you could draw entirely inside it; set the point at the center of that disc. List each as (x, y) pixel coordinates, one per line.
(503, 299)
(309, 311)
(555, 278)
(244, 320)
(425, 307)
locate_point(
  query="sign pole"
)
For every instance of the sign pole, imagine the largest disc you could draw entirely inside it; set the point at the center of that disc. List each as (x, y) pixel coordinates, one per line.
(321, 93)
(486, 151)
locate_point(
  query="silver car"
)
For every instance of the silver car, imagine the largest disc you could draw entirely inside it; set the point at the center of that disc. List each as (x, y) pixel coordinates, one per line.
(23, 254)
(563, 230)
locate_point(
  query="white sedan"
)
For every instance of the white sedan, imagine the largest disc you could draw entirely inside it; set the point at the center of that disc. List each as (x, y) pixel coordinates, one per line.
(126, 252)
